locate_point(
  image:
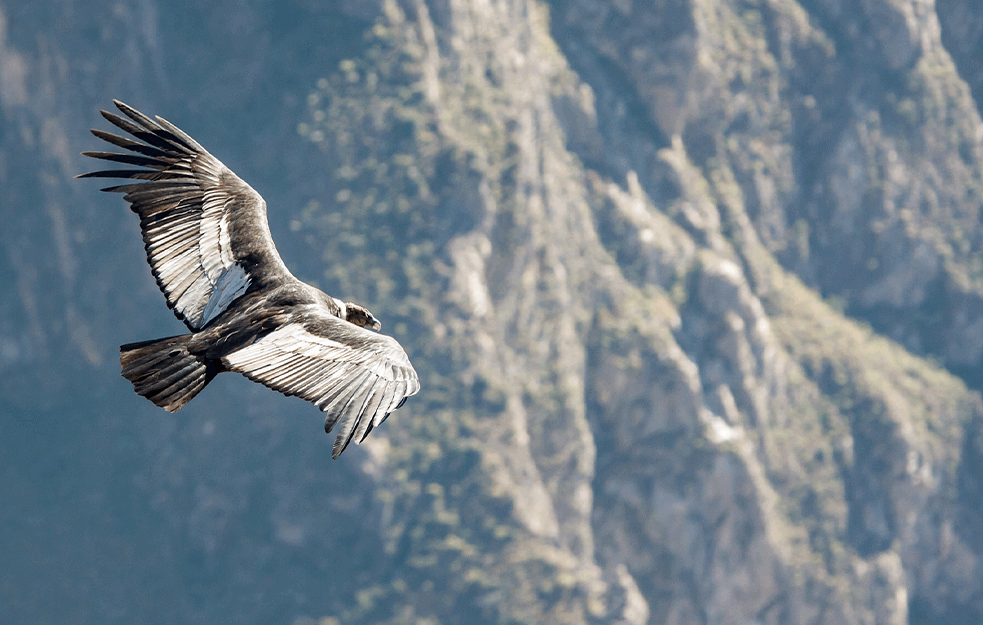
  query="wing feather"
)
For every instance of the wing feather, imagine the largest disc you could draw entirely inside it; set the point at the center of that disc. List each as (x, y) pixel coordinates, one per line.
(353, 414)
(372, 403)
(129, 144)
(357, 377)
(127, 159)
(386, 406)
(333, 402)
(192, 211)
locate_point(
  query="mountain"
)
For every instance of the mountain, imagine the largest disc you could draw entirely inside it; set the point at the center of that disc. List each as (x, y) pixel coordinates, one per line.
(693, 288)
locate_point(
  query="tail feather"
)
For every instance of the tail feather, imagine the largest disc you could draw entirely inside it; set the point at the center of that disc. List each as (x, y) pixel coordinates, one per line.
(165, 372)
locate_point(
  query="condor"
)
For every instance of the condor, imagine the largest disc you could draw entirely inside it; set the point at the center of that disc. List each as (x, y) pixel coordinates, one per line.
(209, 247)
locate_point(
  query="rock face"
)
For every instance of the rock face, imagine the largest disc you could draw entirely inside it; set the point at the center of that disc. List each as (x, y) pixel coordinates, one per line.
(692, 287)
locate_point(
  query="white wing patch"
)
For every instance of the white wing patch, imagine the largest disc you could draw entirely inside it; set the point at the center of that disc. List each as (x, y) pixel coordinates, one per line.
(198, 273)
(230, 286)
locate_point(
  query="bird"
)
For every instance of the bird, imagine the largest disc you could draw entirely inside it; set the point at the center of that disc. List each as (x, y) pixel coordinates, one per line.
(208, 243)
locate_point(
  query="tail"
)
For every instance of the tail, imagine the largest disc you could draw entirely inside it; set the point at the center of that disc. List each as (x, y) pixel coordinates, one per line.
(165, 372)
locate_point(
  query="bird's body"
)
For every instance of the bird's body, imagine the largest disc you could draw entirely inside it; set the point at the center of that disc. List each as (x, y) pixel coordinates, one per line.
(210, 249)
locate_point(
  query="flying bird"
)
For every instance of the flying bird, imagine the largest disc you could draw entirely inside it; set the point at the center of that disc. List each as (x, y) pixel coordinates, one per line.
(209, 247)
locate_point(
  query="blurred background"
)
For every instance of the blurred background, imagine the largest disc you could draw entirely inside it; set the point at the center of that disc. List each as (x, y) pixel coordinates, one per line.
(694, 289)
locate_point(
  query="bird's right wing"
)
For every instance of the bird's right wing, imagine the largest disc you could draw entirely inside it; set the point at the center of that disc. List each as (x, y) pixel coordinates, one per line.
(204, 229)
(354, 375)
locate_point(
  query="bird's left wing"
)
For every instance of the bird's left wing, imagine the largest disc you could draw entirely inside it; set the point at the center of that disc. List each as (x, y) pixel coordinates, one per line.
(354, 375)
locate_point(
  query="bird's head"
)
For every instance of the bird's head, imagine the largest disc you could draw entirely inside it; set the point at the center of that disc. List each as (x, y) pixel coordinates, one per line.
(361, 317)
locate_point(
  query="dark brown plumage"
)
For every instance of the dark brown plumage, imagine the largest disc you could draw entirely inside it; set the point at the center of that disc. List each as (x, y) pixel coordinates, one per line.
(209, 248)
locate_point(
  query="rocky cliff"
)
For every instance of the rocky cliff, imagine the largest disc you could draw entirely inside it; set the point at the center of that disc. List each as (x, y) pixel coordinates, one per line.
(693, 287)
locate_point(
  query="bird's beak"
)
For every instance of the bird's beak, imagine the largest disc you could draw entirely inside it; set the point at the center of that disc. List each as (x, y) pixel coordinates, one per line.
(376, 325)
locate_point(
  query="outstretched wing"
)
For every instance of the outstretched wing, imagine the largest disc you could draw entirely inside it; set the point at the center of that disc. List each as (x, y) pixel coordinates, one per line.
(354, 375)
(204, 229)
